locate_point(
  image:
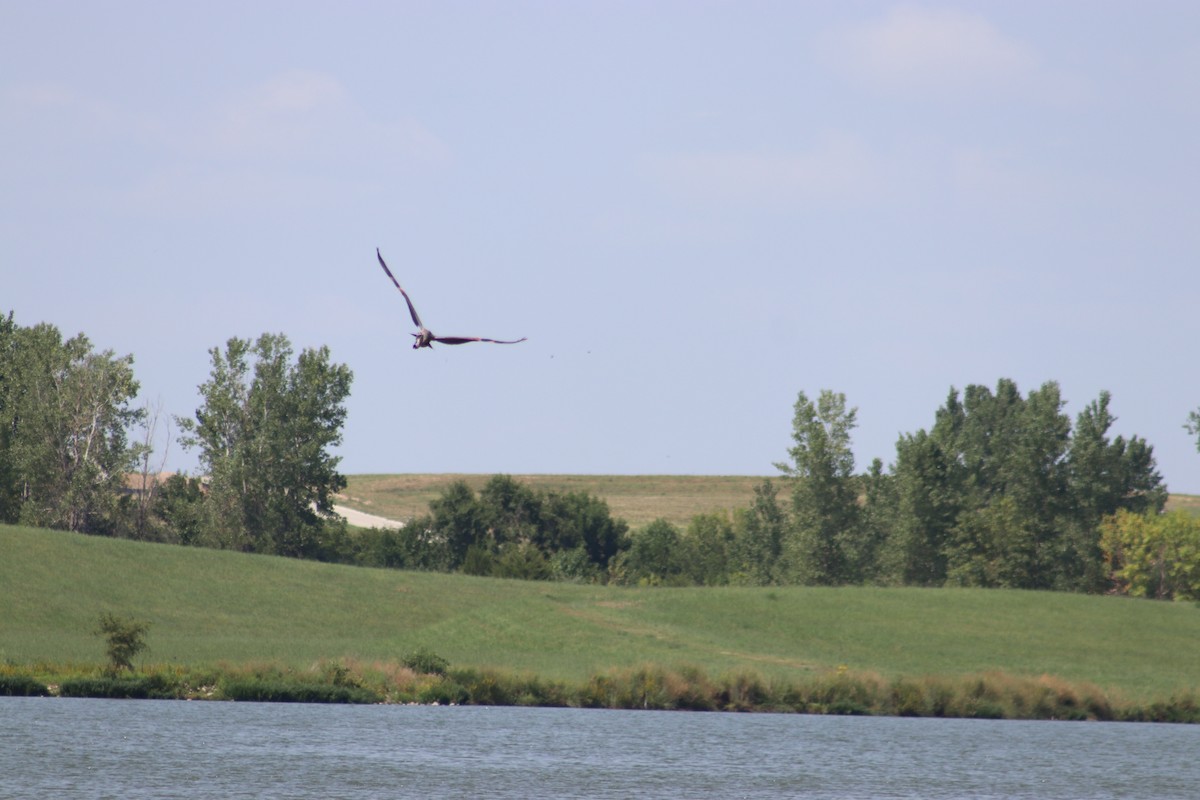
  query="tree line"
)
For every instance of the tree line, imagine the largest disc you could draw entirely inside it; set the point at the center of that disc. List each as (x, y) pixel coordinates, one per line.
(75, 454)
(1002, 490)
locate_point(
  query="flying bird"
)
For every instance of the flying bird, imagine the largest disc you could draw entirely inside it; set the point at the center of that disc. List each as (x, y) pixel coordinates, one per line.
(425, 337)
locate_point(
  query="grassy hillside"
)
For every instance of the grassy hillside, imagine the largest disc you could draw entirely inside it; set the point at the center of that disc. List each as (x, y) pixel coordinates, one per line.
(207, 606)
(638, 499)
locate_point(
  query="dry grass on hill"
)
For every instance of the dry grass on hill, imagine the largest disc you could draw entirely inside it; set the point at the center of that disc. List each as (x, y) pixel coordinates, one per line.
(638, 499)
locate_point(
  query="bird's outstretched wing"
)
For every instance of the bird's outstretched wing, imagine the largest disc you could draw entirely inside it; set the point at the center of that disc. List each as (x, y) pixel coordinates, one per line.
(465, 339)
(416, 319)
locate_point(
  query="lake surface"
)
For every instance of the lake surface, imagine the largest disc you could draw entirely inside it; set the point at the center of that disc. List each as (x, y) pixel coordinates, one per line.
(129, 749)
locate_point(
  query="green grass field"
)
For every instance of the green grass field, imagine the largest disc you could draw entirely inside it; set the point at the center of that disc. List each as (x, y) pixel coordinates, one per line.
(207, 607)
(637, 499)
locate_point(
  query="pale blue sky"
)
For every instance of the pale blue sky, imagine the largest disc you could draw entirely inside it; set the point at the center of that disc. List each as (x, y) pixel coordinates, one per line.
(694, 210)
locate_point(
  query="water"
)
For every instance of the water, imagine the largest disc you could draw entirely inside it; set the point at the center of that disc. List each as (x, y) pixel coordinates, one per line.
(131, 749)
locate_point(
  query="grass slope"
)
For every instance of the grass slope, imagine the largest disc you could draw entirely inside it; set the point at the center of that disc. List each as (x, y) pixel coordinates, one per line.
(207, 606)
(638, 499)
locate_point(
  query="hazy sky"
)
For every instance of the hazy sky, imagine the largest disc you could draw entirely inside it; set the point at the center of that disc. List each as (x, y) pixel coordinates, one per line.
(694, 210)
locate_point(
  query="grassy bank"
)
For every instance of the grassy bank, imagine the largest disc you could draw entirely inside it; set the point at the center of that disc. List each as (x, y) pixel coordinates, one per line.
(638, 499)
(991, 695)
(215, 614)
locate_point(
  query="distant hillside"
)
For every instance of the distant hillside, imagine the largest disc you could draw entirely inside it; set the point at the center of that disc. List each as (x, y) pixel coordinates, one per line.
(207, 606)
(638, 499)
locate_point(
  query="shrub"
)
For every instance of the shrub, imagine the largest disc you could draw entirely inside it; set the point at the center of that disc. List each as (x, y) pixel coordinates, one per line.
(124, 639)
(280, 691)
(338, 674)
(21, 686)
(426, 662)
(148, 687)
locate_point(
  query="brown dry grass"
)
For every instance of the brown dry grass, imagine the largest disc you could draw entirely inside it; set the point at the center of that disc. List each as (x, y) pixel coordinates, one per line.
(1184, 502)
(638, 499)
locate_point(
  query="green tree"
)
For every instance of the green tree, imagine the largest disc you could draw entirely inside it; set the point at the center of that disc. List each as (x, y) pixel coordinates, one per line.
(521, 561)
(457, 523)
(1001, 492)
(1013, 448)
(511, 512)
(1104, 476)
(825, 511)
(1192, 425)
(710, 544)
(64, 420)
(927, 485)
(578, 521)
(124, 638)
(655, 557)
(10, 483)
(264, 435)
(509, 521)
(760, 533)
(179, 507)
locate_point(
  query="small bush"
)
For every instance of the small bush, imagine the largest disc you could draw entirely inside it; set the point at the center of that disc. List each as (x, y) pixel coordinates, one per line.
(426, 662)
(124, 637)
(338, 673)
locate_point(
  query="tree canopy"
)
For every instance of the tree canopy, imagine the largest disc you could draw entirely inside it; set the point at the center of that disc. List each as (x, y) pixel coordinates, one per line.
(64, 419)
(264, 431)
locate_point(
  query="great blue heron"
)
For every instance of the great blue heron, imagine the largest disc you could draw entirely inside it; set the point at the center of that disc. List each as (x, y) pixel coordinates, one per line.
(425, 337)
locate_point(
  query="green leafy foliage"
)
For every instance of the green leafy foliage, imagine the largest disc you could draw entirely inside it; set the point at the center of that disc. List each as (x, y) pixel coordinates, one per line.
(825, 511)
(999, 492)
(760, 532)
(1153, 555)
(426, 662)
(264, 432)
(124, 639)
(655, 557)
(64, 415)
(1192, 425)
(508, 530)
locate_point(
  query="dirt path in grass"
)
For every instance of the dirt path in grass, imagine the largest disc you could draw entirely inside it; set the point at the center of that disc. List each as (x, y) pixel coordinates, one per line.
(365, 520)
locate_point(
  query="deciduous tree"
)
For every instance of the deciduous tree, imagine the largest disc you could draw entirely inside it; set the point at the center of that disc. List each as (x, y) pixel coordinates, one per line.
(824, 494)
(264, 432)
(64, 429)
(760, 534)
